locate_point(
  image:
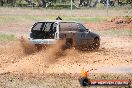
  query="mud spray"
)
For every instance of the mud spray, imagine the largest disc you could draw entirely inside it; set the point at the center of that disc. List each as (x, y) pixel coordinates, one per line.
(31, 60)
(14, 59)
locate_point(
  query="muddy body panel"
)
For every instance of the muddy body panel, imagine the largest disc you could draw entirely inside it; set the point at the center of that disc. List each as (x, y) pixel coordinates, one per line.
(74, 33)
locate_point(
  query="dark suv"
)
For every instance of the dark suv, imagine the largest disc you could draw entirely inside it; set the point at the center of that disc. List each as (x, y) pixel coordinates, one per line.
(76, 35)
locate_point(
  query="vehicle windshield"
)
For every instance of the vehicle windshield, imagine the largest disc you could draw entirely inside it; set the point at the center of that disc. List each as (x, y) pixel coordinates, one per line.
(81, 28)
(43, 30)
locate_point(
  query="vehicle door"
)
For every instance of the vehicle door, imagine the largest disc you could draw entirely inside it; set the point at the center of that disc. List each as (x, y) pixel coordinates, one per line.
(83, 34)
(67, 30)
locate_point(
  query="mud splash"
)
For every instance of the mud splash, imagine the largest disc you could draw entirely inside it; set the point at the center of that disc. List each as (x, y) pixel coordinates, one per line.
(35, 62)
(55, 60)
(28, 48)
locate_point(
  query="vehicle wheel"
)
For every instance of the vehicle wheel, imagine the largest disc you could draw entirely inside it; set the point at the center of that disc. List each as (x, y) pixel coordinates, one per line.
(68, 45)
(96, 43)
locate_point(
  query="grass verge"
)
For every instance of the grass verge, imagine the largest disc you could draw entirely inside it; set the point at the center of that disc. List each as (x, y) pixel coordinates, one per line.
(31, 18)
(115, 32)
(7, 37)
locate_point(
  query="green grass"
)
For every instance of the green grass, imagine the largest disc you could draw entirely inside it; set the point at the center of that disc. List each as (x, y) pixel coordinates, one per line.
(31, 18)
(115, 32)
(16, 19)
(87, 19)
(120, 32)
(49, 12)
(7, 37)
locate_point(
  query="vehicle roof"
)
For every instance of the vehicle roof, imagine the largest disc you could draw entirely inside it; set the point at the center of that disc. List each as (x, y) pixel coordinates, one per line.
(57, 21)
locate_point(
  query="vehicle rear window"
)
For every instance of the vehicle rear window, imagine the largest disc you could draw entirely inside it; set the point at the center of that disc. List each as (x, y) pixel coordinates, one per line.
(44, 30)
(68, 26)
(47, 26)
(37, 26)
(44, 26)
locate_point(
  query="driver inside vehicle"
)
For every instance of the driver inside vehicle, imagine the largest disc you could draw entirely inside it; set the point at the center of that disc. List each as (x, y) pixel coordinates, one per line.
(49, 30)
(52, 31)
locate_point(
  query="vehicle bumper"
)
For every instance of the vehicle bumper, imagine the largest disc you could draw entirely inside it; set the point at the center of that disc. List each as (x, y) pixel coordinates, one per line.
(43, 41)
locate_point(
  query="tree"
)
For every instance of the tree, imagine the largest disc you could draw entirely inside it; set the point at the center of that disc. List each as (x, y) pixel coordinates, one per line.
(129, 1)
(43, 3)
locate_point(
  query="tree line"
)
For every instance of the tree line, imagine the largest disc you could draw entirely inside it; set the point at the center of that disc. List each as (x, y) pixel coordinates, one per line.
(45, 3)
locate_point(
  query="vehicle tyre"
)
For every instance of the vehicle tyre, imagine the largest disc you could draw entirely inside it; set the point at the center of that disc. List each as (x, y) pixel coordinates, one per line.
(96, 44)
(68, 44)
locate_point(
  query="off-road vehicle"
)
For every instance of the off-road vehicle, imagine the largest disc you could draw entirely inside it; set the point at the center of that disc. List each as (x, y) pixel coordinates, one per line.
(74, 33)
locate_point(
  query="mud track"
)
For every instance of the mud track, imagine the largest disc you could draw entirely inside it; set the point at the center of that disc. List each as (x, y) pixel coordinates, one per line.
(48, 67)
(113, 52)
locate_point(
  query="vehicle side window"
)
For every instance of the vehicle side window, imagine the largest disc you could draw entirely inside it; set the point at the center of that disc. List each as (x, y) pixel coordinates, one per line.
(47, 26)
(81, 28)
(37, 26)
(68, 26)
(54, 27)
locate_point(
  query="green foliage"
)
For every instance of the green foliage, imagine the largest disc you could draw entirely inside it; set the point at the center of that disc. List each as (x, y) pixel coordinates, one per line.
(61, 6)
(129, 1)
(7, 37)
(131, 4)
(57, 4)
(22, 3)
(100, 6)
(127, 17)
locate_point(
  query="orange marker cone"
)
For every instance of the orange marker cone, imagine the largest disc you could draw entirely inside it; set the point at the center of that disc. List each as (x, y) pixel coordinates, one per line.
(86, 74)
